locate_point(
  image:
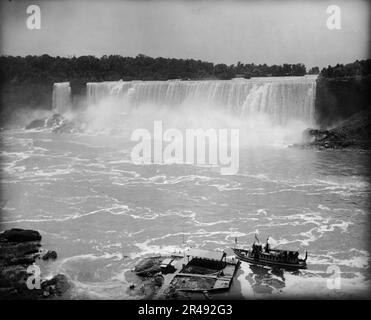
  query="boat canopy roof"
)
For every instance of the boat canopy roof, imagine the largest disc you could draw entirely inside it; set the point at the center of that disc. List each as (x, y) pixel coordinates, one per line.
(167, 261)
(283, 250)
(206, 254)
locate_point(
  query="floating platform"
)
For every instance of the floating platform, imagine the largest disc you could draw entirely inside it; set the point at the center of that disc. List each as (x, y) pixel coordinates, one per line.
(205, 271)
(194, 271)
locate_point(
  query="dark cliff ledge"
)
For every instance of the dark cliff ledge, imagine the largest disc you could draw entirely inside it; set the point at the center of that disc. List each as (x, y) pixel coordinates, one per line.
(19, 249)
(355, 132)
(339, 98)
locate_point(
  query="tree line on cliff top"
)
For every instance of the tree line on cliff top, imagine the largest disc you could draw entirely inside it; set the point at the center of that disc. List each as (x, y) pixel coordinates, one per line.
(357, 68)
(114, 67)
(48, 69)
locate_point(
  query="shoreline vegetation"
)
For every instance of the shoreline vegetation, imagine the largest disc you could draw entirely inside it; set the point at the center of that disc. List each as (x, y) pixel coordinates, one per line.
(47, 69)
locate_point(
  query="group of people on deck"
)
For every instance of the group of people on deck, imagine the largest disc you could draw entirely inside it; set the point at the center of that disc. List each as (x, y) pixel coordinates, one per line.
(285, 255)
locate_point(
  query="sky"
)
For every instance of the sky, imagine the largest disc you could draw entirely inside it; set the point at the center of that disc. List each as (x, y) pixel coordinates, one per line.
(271, 32)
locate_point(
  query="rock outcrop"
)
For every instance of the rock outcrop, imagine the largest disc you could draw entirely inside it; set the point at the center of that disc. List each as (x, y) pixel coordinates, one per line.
(36, 124)
(148, 266)
(56, 123)
(19, 252)
(20, 235)
(354, 132)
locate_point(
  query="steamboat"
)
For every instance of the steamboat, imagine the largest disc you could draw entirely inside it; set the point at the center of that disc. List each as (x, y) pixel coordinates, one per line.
(271, 257)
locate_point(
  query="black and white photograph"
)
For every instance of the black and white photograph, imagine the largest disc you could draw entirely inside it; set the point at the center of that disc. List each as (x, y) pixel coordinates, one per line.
(159, 150)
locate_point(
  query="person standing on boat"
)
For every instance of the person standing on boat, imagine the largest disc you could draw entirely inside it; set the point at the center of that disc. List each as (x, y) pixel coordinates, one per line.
(266, 248)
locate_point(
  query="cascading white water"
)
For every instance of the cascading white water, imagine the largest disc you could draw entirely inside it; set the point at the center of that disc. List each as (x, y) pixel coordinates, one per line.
(61, 97)
(282, 99)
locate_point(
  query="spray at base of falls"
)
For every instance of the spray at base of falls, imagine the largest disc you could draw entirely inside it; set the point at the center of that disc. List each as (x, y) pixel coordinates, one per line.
(280, 98)
(273, 110)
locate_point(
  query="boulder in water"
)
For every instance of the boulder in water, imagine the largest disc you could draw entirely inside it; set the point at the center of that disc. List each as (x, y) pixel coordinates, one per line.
(58, 285)
(50, 122)
(50, 255)
(36, 124)
(67, 127)
(148, 266)
(55, 121)
(20, 235)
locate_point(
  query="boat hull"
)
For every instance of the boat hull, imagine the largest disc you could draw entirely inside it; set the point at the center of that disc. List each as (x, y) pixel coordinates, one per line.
(244, 255)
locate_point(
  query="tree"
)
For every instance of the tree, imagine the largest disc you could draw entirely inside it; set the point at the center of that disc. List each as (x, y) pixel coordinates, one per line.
(313, 70)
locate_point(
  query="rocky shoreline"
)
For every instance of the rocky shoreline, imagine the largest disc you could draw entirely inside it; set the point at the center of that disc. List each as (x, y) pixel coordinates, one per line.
(20, 252)
(353, 133)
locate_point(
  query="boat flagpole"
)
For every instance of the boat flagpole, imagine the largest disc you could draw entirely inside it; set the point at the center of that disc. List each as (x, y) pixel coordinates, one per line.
(183, 241)
(256, 237)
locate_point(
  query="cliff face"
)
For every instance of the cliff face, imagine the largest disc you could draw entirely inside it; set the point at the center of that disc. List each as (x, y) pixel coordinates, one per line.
(340, 98)
(31, 95)
(18, 101)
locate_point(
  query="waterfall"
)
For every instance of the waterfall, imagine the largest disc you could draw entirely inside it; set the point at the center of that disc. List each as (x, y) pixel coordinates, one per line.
(282, 99)
(61, 97)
